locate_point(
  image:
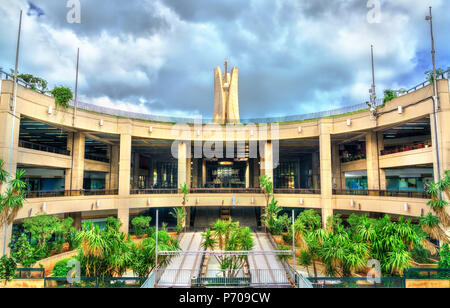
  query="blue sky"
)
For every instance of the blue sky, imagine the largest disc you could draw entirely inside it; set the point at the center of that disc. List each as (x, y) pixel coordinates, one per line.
(294, 57)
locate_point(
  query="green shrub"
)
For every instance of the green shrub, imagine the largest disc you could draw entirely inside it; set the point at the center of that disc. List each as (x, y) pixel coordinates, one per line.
(445, 256)
(23, 252)
(389, 95)
(420, 255)
(141, 225)
(62, 96)
(60, 269)
(8, 268)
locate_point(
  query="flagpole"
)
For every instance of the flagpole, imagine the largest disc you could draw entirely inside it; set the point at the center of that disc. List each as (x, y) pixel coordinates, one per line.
(76, 88)
(13, 120)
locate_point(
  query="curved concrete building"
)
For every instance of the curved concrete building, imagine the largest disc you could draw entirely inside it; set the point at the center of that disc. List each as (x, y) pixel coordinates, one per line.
(95, 162)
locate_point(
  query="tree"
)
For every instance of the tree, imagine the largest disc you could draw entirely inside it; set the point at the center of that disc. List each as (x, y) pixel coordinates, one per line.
(8, 268)
(185, 191)
(36, 83)
(230, 237)
(13, 200)
(429, 74)
(143, 255)
(42, 228)
(438, 206)
(265, 182)
(180, 215)
(23, 252)
(270, 216)
(62, 96)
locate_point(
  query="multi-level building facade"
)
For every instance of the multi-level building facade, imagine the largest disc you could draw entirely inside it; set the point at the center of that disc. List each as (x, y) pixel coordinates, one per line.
(92, 162)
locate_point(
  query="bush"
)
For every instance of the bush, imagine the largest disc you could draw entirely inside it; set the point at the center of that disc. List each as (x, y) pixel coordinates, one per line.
(62, 96)
(8, 268)
(60, 269)
(445, 256)
(420, 255)
(389, 95)
(141, 225)
(23, 253)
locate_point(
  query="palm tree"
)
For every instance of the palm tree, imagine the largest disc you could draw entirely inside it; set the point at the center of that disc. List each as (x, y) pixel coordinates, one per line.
(209, 241)
(180, 215)
(3, 173)
(436, 204)
(185, 191)
(430, 224)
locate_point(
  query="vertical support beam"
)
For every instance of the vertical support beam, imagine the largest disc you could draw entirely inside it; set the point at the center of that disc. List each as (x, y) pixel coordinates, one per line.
(267, 160)
(372, 162)
(247, 175)
(182, 164)
(195, 173)
(124, 174)
(315, 170)
(382, 171)
(336, 161)
(203, 173)
(114, 158)
(77, 172)
(326, 190)
(9, 157)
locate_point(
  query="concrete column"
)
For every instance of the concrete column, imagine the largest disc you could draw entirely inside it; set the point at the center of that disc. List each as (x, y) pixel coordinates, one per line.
(372, 162)
(203, 173)
(123, 214)
(315, 170)
(326, 192)
(8, 138)
(77, 146)
(336, 163)
(124, 175)
(125, 165)
(267, 160)
(8, 238)
(195, 173)
(114, 158)
(247, 175)
(383, 185)
(182, 164)
(76, 219)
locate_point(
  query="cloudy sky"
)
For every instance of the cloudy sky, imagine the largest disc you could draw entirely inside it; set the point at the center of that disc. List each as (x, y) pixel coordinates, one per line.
(294, 56)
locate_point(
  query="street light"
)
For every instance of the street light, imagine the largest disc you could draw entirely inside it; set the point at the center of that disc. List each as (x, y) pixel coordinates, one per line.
(435, 96)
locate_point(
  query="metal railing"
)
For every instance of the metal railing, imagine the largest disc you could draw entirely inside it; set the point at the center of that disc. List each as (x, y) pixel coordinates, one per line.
(383, 193)
(30, 273)
(70, 193)
(168, 119)
(154, 191)
(300, 191)
(96, 158)
(406, 148)
(357, 282)
(427, 273)
(43, 148)
(93, 282)
(226, 190)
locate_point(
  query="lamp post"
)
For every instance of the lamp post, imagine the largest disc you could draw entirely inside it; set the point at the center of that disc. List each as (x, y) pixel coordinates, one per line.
(13, 120)
(435, 96)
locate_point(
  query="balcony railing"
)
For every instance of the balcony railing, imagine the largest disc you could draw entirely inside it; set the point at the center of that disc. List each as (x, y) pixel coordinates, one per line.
(300, 191)
(405, 148)
(352, 157)
(96, 158)
(44, 148)
(383, 193)
(70, 193)
(154, 191)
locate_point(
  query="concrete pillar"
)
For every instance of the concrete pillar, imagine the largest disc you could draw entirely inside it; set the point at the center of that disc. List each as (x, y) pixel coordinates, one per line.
(247, 175)
(195, 173)
(203, 173)
(267, 160)
(326, 192)
(336, 163)
(74, 178)
(124, 174)
(4, 246)
(76, 219)
(383, 185)
(372, 161)
(182, 164)
(315, 170)
(8, 138)
(114, 158)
